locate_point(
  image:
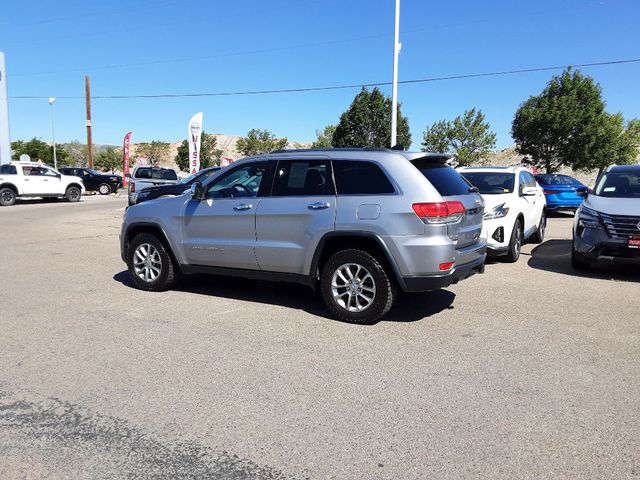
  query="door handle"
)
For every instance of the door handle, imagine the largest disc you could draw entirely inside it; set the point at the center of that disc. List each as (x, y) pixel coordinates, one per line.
(243, 206)
(318, 205)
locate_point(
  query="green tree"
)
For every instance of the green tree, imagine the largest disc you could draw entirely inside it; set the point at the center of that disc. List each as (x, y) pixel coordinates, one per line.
(77, 153)
(324, 137)
(39, 150)
(259, 141)
(367, 123)
(566, 125)
(209, 154)
(436, 137)
(156, 152)
(109, 159)
(468, 137)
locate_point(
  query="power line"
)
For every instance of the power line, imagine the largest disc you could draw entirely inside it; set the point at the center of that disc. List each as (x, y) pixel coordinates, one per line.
(341, 87)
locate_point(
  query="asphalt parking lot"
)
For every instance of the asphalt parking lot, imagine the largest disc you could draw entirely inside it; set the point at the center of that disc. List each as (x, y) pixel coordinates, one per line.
(526, 371)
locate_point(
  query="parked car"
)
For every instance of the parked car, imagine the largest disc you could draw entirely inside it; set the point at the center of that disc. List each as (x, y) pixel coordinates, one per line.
(146, 177)
(607, 224)
(561, 191)
(356, 223)
(172, 189)
(33, 179)
(514, 211)
(95, 181)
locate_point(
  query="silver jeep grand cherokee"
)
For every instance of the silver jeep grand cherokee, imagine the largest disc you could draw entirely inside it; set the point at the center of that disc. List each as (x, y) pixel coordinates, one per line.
(357, 223)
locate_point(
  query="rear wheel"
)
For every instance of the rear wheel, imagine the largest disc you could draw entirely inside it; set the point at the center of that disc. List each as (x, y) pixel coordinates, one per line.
(515, 244)
(7, 197)
(104, 189)
(538, 237)
(150, 264)
(73, 194)
(355, 287)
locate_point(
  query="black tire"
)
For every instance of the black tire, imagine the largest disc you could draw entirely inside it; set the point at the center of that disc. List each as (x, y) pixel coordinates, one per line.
(73, 194)
(104, 189)
(166, 277)
(7, 197)
(538, 237)
(515, 244)
(384, 288)
(577, 263)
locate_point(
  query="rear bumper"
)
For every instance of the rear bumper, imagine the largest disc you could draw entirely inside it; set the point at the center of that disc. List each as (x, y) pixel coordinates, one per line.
(558, 204)
(426, 283)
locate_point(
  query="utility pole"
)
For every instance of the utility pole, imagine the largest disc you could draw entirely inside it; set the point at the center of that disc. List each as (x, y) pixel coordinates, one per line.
(394, 95)
(87, 91)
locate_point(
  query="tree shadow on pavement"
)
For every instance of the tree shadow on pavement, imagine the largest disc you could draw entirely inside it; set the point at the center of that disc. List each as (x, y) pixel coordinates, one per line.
(409, 307)
(555, 256)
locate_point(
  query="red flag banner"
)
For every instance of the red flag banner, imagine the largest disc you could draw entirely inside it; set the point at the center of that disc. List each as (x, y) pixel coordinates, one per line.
(125, 158)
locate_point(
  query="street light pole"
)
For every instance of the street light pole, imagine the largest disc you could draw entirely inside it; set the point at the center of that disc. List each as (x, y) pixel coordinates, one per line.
(394, 95)
(52, 100)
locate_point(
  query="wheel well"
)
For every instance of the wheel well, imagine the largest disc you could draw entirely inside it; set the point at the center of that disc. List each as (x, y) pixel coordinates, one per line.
(135, 230)
(11, 186)
(367, 244)
(73, 185)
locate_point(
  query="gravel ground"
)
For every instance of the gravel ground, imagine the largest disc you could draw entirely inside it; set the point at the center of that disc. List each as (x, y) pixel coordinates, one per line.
(529, 370)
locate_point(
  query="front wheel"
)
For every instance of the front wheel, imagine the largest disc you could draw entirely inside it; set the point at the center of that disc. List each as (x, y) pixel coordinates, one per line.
(538, 237)
(515, 244)
(7, 197)
(104, 189)
(73, 194)
(355, 287)
(577, 263)
(150, 264)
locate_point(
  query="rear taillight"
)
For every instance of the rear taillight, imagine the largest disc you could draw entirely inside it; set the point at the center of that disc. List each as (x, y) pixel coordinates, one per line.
(551, 192)
(439, 212)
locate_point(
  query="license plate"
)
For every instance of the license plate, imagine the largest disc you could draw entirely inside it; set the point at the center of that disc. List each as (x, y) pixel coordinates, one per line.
(634, 243)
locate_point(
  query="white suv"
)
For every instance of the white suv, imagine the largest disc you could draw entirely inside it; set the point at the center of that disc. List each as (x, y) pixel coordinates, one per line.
(514, 211)
(35, 179)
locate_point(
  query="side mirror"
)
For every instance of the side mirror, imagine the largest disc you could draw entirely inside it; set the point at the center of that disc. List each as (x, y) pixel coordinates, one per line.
(529, 191)
(197, 191)
(583, 192)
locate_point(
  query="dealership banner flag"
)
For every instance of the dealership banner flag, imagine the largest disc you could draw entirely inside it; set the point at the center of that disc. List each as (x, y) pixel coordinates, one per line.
(125, 158)
(194, 135)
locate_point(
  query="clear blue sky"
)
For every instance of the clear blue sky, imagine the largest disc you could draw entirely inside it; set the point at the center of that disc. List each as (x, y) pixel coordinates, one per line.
(162, 46)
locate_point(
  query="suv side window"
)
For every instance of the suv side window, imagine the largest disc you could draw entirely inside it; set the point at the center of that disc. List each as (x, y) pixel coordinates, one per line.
(241, 182)
(360, 178)
(7, 169)
(302, 178)
(530, 180)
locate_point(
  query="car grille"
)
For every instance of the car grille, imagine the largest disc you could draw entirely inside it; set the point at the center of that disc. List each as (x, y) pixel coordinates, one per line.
(621, 226)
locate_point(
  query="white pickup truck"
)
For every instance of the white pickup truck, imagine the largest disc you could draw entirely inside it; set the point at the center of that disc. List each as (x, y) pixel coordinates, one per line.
(34, 179)
(149, 176)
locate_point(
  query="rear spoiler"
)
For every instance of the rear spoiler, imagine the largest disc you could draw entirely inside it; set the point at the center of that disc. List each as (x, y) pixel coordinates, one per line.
(432, 158)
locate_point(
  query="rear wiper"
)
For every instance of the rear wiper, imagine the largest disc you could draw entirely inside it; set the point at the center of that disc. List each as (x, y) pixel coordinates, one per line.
(474, 190)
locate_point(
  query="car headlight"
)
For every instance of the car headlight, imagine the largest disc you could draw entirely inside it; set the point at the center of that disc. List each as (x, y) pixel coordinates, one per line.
(498, 211)
(588, 218)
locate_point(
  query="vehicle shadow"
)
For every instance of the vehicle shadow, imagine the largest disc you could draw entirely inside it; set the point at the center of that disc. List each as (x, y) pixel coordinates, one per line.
(410, 307)
(555, 256)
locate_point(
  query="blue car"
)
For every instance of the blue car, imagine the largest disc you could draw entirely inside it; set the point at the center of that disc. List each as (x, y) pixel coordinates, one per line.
(561, 191)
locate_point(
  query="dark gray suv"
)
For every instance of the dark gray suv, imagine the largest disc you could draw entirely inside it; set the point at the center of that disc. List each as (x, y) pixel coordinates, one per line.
(355, 223)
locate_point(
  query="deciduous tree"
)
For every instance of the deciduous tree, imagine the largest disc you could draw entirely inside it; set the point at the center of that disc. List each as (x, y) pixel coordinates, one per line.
(260, 141)
(209, 154)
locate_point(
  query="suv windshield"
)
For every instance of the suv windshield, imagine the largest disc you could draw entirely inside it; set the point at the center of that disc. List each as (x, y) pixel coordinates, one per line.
(444, 178)
(619, 184)
(489, 183)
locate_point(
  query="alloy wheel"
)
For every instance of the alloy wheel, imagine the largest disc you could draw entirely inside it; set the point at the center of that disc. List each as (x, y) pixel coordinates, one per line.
(353, 287)
(147, 263)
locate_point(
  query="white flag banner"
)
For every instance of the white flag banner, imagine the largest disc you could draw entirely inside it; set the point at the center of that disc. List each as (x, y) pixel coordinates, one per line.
(194, 135)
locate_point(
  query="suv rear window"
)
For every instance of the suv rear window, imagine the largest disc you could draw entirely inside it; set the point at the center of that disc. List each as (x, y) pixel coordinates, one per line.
(157, 173)
(360, 178)
(7, 169)
(444, 178)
